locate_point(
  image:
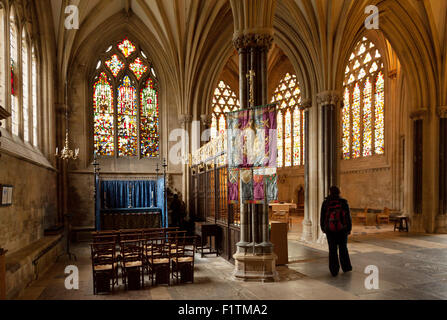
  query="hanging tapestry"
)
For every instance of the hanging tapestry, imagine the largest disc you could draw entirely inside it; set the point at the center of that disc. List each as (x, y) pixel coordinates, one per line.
(246, 185)
(252, 137)
(233, 185)
(258, 184)
(271, 184)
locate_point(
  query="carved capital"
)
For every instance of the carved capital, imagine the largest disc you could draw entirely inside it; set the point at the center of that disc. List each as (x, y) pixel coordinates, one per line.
(206, 119)
(419, 114)
(306, 104)
(442, 112)
(185, 119)
(328, 98)
(253, 40)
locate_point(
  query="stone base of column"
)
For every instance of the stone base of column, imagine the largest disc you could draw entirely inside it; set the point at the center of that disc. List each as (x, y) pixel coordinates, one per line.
(417, 223)
(252, 267)
(441, 224)
(307, 231)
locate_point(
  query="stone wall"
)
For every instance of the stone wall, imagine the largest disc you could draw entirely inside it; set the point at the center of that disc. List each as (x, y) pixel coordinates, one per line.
(290, 180)
(34, 202)
(368, 188)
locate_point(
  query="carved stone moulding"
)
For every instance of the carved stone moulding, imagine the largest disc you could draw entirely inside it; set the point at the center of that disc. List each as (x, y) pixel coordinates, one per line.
(206, 119)
(442, 112)
(253, 40)
(306, 104)
(328, 98)
(419, 114)
(185, 119)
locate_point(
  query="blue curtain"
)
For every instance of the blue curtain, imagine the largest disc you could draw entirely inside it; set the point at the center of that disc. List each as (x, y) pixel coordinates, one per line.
(119, 194)
(160, 202)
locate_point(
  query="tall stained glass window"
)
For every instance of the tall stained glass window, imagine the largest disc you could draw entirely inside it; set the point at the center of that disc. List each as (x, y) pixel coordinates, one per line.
(291, 122)
(126, 103)
(34, 95)
(2, 60)
(224, 100)
(14, 69)
(25, 88)
(364, 103)
(149, 120)
(104, 116)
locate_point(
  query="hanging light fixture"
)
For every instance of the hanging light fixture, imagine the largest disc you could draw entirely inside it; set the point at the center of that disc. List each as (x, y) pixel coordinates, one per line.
(67, 153)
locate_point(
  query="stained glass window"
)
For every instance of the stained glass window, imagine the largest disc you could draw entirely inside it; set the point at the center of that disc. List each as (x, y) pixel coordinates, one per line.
(34, 96)
(149, 144)
(138, 68)
(379, 115)
(224, 101)
(103, 116)
(291, 123)
(25, 88)
(364, 103)
(127, 119)
(115, 65)
(128, 125)
(13, 52)
(127, 48)
(2, 61)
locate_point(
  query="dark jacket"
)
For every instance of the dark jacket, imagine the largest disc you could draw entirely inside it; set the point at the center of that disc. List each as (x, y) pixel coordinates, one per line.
(345, 206)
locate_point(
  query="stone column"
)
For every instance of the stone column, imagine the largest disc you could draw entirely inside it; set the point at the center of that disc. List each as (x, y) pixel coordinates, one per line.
(415, 211)
(254, 259)
(328, 102)
(307, 222)
(185, 122)
(441, 218)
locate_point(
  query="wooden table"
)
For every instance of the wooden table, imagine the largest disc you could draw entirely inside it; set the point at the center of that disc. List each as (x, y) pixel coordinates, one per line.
(207, 231)
(283, 206)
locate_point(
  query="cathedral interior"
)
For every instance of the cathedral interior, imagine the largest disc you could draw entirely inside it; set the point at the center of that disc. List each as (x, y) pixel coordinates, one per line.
(203, 137)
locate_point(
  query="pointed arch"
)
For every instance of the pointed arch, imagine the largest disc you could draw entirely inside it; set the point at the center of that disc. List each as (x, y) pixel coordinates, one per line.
(128, 124)
(363, 112)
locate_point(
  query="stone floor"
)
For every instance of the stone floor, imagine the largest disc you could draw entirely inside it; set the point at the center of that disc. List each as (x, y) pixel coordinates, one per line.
(410, 267)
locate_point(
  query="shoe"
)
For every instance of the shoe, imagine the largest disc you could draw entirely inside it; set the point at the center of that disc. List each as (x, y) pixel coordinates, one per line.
(347, 270)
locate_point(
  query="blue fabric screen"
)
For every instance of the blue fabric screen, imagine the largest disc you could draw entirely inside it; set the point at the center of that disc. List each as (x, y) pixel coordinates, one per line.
(125, 194)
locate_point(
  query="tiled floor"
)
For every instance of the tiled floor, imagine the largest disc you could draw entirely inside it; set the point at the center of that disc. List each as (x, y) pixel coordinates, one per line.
(410, 267)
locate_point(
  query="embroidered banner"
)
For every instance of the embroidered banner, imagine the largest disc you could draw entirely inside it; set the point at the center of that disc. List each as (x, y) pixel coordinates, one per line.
(252, 154)
(252, 136)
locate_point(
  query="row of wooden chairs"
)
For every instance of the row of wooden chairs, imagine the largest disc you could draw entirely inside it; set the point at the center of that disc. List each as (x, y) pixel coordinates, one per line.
(161, 254)
(383, 217)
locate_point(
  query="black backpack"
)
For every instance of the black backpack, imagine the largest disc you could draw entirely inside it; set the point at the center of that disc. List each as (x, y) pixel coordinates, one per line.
(335, 216)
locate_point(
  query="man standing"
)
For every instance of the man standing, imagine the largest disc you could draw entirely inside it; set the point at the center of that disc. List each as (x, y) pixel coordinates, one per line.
(336, 223)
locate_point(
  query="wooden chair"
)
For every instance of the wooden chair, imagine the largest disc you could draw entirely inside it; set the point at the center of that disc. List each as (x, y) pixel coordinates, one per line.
(104, 266)
(132, 263)
(158, 260)
(183, 259)
(384, 216)
(361, 216)
(105, 238)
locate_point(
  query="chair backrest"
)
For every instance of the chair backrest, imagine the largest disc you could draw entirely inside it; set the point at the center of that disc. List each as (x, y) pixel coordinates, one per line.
(105, 238)
(156, 248)
(386, 211)
(124, 236)
(131, 250)
(103, 253)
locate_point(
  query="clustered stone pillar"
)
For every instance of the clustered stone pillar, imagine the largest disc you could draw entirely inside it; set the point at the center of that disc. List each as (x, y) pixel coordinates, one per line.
(185, 122)
(254, 258)
(307, 222)
(328, 102)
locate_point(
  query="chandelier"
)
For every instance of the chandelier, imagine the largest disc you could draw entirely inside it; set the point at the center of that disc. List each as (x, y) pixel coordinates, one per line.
(67, 153)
